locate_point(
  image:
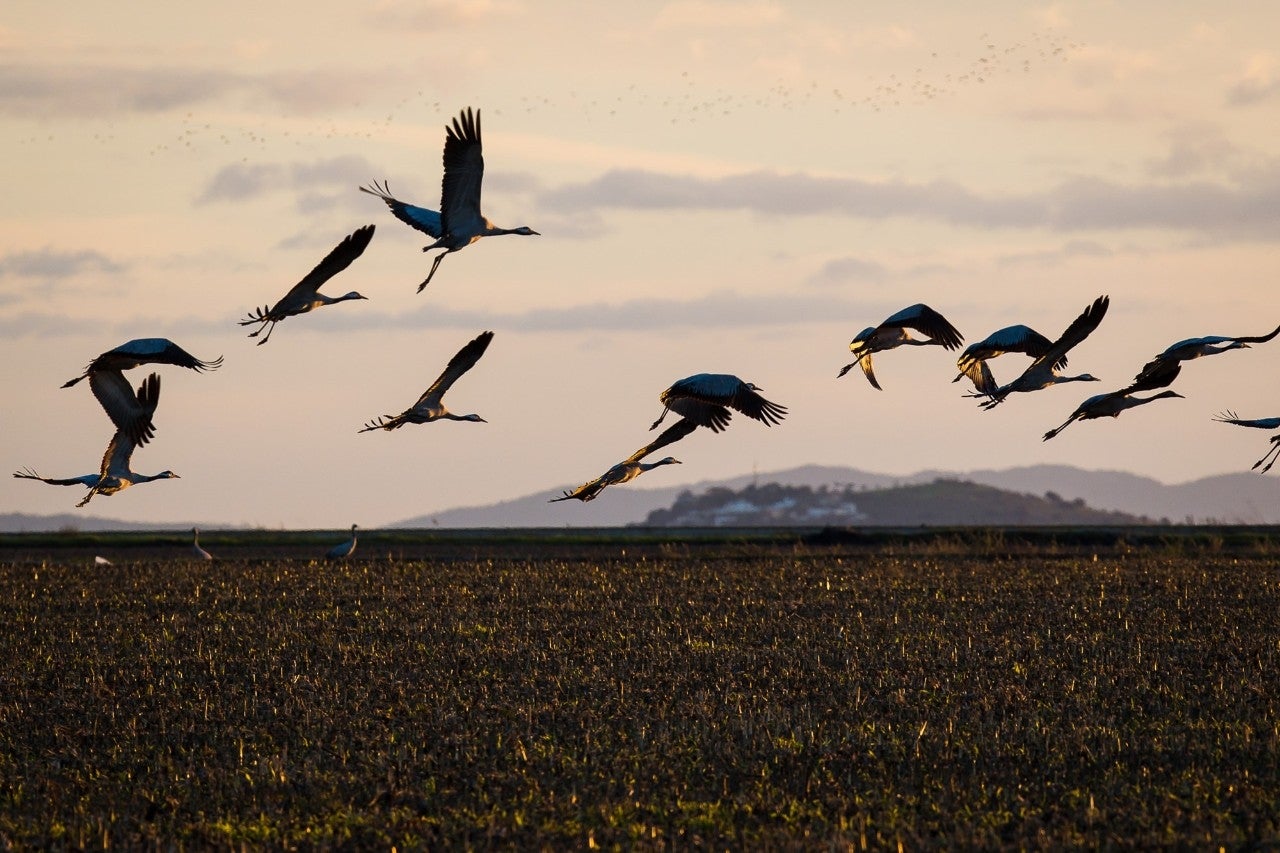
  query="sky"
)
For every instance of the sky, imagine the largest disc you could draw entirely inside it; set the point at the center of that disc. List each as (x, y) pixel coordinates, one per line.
(720, 187)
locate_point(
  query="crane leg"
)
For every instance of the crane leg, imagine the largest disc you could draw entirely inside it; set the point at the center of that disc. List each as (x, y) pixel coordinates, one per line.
(434, 264)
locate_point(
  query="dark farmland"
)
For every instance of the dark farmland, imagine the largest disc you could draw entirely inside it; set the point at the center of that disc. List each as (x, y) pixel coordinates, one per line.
(989, 688)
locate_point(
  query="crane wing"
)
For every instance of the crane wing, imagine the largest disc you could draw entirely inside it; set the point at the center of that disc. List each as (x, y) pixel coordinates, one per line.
(338, 259)
(419, 218)
(670, 435)
(129, 411)
(1256, 423)
(463, 175)
(925, 320)
(465, 359)
(1080, 328)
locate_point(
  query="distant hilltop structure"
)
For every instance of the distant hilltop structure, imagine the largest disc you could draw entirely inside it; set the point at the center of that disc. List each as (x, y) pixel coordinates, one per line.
(941, 502)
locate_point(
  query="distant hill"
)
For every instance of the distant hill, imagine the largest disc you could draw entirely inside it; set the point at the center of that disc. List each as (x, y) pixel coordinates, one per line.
(21, 522)
(1244, 498)
(943, 502)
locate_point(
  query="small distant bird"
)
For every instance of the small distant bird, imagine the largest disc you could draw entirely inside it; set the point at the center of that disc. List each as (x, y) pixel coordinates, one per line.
(430, 406)
(1020, 339)
(1108, 406)
(459, 222)
(196, 551)
(1043, 373)
(346, 549)
(1161, 370)
(114, 475)
(106, 379)
(892, 333)
(305, 295)
(101, 561)
(631, 467)
(1257, 423)
(703, 398)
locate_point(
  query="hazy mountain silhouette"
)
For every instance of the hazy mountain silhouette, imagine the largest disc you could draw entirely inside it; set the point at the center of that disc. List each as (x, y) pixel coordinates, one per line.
(1244, 498)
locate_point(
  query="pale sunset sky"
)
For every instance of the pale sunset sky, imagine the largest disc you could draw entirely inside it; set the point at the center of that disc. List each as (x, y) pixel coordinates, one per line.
(720, 187)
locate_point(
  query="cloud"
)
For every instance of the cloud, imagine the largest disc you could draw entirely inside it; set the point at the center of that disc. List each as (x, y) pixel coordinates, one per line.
(1246, 208)
(846, 270)
(709, 14)
(1258, 82)
(52, 264)
(433, 15)
(242, 181)
(1053, 257)
(80, 91)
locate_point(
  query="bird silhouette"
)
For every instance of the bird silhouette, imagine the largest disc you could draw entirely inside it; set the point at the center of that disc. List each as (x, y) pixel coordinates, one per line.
(305, 295)
(632, 467)
(705, 399)
(459, 223)
(892, 333)
(1043, 373)
(430, 406)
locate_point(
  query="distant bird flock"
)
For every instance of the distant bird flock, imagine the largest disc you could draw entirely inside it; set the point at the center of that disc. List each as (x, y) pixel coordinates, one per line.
(700, 400)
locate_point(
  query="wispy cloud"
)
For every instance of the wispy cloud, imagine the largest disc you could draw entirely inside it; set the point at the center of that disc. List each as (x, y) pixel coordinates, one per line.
(1259, 81)
(44, 91)
(55, 265)
(1084, 203)
(848, 270)
(242, 181)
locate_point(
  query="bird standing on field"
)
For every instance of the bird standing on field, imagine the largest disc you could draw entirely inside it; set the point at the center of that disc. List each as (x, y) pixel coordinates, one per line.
(1043, 371)
(346, 549)
(305, 295)
(703, 398)
(196, 551)
(1257, 423)
(631, 467)
(430, 406)
(892, 333)
(114, 475)
(459, 222)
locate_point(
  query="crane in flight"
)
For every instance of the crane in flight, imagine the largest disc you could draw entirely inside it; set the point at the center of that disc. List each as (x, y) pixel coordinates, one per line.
(1257, 423)
(1043, 373)
(116, 395)
(632, 467)
(115, 475)
(892, 333)
(305, 295)
(1021, 339)
(1108, 406)
(459, 222)
(1163, 368)
(430, 405)
(705, 399)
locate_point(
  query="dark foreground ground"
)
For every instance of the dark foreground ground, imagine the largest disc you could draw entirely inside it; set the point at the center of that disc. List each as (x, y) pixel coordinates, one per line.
(973, 690)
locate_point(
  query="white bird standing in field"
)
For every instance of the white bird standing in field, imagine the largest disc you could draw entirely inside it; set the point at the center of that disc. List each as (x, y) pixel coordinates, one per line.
(1021, 339)
(703, 398)
(305, 295)
(631, 467)
(196, 551)
(1164, 368)
(1108, 406)
(892, 333)
(1042, 373)
(430, 405)
(346, 549)
(459, 222)
(115, 474)
(1257, 423)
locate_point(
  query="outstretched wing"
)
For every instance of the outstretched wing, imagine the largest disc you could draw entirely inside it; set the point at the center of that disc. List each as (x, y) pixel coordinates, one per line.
(463, 174)
(1257, 423)
(670, 435)
(127, 409)
(465, 359)
(1260, 339)
(338, 259)
(1080, 328)
(925, 320)
(426, 221)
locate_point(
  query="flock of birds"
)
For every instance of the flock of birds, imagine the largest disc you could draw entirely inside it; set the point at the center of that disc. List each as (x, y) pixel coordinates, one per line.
(701, 400)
